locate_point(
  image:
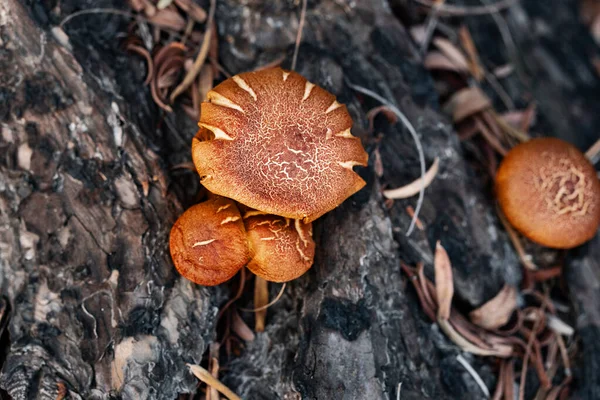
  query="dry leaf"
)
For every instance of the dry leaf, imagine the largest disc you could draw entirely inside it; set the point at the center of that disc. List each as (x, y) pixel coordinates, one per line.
(418, 33)
(436, 60)
(466, 102)
(192, 9)
(241, 329)
(168, 19)
(496, 312)
(469, 46)
(415, 186)
(452, 52)
(261, 299)
(444, 286)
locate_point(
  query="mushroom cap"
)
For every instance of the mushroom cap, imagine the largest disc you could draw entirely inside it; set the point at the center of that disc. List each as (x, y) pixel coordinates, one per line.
(550, 192)
(208, 242)
(277, 143)
(282, 248)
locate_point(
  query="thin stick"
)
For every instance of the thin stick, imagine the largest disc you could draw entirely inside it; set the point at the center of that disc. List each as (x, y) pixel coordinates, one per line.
(299, 34)
(416, 139)
(98, 11)
(449, 10)
(200, 58)
(430, 24)
(474, 374)
(528, 352)
(593, 153)
(213, 382)
(275, 300)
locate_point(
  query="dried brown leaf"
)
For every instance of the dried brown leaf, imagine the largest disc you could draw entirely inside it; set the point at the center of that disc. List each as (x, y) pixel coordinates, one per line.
(467, 102)
(444, 286)
(496, 312)
(467, 43)
(453, 53)
(436, 60)
(261, 299)
(414, 187)
(168, 19)
(192, 9)
(241, 328)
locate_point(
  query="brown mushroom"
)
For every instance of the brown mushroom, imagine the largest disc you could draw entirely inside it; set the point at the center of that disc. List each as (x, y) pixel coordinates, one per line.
(208, 242)
(277, 143)
(282, 249)
(550, 192)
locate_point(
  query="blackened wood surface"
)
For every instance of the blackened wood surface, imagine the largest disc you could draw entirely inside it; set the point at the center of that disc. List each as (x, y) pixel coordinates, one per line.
(95, 302)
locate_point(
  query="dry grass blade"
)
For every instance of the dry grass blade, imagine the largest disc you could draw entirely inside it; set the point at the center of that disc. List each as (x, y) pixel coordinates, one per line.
(275, 300)
(261, 298)
(516, 241)
(467, 102)
(489, 136)
(444, 286)
(496, 312)
(212, 393)
(205, 81)
(411, 212)
(593, 153)
(469, 46)
(200, 58)
(299, 34)
(474, 374)
(205, 376)
(452, 52)
(467, 346)
(415, 186)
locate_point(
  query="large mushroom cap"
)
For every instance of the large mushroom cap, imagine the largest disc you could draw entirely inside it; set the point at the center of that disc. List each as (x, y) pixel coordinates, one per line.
(208, 242)
(282, 249)
(550, 192)
(277, 143)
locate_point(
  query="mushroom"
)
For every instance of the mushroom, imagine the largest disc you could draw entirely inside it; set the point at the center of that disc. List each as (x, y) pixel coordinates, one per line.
(277, 143)
(208, 242)
(549, 192)
(282, 249)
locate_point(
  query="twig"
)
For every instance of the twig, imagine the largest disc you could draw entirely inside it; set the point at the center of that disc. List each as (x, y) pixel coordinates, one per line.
(528, 351)
(593, 153)
(98, 11)
(415, 137)
(450, 10)
(299, 34)
(275, 300)
(430, 24)
(207, 378)
(200, 58)
(474, 374)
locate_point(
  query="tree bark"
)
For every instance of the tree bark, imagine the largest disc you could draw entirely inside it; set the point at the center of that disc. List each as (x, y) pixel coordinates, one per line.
(87, 200)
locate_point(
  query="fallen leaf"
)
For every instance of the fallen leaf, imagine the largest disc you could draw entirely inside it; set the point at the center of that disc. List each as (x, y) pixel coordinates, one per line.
(241, 328)
(469, 46)
(467, 102)
(496, 312)
(444, 286)
(414, 187)
(192, 9)
(436, 60)
(452, 52)
(168, 19)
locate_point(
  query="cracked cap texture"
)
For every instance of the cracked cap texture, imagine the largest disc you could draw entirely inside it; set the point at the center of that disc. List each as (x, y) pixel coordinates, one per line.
(277, 143)
(282, 249)
(208, 242)
(550, 192)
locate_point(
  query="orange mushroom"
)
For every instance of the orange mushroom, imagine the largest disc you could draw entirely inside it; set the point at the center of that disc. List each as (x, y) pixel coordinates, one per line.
(277, 143)
(550, 192)
(282, 249)
(208, 242)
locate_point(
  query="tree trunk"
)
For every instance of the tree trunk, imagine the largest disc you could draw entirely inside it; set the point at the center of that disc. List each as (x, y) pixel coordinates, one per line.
(87, 198)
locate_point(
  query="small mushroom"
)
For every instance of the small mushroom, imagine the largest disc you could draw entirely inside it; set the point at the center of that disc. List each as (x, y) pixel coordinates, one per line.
(277, 143)
(208, 242)
(282, 249)
(549, 192)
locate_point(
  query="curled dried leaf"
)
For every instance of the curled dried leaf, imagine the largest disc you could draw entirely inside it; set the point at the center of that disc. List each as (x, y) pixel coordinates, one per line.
(467, 102)
(496, 312)
(453, 53)
(415, 186)
(444, 286)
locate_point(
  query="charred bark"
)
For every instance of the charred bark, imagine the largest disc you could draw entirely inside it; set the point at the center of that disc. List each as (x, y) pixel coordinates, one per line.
(87, 200)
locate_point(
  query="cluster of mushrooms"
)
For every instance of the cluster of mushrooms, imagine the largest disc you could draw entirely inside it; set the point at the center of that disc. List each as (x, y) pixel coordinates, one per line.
(275, 151)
